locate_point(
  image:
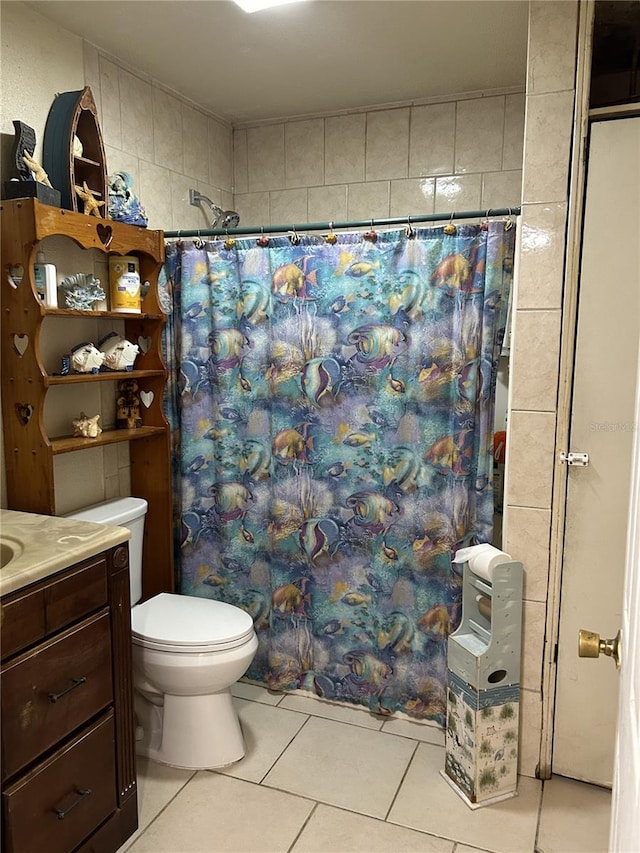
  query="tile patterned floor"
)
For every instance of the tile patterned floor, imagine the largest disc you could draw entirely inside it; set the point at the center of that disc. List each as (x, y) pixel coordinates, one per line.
(320, 778)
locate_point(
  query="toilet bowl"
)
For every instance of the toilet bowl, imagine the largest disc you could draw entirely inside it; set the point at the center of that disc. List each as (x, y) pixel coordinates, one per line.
(187, 652)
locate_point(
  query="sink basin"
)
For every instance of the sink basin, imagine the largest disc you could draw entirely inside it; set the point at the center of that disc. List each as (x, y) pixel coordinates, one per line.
(10, 548)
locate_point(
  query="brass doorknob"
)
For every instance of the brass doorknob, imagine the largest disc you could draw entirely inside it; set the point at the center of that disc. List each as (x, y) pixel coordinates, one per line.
(591, 646)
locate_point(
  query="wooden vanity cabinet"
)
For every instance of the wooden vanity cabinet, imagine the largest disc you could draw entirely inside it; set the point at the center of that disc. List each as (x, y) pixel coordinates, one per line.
(67, 725)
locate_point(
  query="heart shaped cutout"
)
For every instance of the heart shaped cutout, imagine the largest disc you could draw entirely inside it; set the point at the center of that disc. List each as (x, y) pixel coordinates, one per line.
(15, 273)
(105, 234)
(144, 344)
(20, 344)
(146, 398)
(24, 412)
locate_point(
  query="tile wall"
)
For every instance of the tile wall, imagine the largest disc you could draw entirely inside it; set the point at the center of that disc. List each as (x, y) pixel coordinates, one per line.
(456, 154)
(535, 346)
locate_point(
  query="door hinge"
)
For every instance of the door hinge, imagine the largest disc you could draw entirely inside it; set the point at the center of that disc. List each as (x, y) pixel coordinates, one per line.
(579, 459)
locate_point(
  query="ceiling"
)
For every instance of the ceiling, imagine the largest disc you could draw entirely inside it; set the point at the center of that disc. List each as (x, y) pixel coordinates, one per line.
(319, 56)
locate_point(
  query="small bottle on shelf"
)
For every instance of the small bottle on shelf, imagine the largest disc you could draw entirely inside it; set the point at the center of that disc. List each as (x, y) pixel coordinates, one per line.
(46, 282)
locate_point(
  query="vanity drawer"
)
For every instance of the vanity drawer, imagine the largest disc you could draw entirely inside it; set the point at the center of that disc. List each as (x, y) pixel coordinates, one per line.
(58, 803)
(32, 614)
(51, 690)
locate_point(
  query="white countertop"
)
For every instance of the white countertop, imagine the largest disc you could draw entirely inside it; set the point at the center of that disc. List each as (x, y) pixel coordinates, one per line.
(49, 544)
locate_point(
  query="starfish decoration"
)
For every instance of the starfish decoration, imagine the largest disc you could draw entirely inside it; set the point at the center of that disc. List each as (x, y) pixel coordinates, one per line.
(91, 205)
(38, 172)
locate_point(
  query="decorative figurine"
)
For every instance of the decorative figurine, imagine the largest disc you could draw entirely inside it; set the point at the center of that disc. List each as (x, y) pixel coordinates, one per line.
(81, 291)
(39, 173)
(84, 358)
(86, 427)
(32, 180)
(124, 204)
(91, 204)
(119, 353)
(128, 405)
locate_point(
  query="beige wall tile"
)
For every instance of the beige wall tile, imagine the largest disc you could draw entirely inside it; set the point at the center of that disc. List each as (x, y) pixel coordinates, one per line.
(479, 135)
(458, 192)
(327, 204)
(533, 623)
(38, 61)
(501, 189)
(412, 196)
(387, 144)
(184, 214)
(344, 148)
(526, 538)
(530, 459)
(535, 353)
(432, 139)
(136, 109)
(220, 155)
(547, 147)
(154, 182)
(304, 153)
(110, 121)
(167, 131)
(253, 208)
(265, 153)
(367, 201)
(513, 132)
(542, 248)
(91, 60)
(77, 488)
(196, 143)
(288, 206)
(240, 176)
(530, 728)
(552, 45)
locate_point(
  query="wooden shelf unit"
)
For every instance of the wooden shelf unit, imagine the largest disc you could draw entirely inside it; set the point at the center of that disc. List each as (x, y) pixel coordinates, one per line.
(29, 451)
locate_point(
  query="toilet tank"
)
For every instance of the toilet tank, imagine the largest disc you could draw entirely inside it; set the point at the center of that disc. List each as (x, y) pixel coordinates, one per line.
(122, 512)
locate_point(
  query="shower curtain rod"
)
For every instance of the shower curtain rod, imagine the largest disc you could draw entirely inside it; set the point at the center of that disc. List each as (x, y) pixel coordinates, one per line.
(353, 223)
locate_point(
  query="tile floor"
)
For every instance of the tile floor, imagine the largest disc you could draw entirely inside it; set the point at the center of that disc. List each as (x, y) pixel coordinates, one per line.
(320, 778)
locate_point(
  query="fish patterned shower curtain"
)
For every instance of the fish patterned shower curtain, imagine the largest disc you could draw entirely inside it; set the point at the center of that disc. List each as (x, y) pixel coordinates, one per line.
(332, 411)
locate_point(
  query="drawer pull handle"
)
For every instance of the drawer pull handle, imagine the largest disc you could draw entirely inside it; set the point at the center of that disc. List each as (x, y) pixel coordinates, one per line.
(53, 697)
(62, 813)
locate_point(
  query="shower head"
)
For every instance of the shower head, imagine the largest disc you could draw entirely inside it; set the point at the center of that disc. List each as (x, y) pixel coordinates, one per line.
(222, 219)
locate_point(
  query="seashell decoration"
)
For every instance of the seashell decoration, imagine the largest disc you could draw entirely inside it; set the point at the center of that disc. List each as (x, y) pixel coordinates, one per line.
(86, 427)
(81, 291)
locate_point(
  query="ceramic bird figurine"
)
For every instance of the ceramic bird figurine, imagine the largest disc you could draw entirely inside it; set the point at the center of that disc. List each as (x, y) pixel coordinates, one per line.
(119, 354)
(85, 358)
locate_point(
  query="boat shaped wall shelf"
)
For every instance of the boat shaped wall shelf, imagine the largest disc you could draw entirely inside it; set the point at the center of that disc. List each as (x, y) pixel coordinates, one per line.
(73, 117)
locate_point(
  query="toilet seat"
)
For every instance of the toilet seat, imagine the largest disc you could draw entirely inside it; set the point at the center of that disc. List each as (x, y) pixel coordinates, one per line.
(189, 625)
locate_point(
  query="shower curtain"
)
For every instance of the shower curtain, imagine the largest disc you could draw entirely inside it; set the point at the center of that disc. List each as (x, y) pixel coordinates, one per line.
(332, 409)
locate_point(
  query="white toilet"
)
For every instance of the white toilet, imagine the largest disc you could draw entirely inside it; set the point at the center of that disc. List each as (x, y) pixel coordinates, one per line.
(187, 652)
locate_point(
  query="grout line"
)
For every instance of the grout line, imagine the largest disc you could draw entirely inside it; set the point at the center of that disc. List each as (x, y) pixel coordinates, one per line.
(404, 775)
(282, 752)
(163, 809)
(303, 827)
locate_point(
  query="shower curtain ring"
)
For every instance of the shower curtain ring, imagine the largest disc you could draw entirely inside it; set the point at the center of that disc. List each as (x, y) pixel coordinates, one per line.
(262, 241)
(450, 228)
(410, 231)
(331, 237)
(509, 223)
(293, 237)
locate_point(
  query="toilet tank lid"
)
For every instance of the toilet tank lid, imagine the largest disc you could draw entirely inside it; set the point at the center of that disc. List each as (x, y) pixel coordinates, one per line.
(186, 620)
(117, 511)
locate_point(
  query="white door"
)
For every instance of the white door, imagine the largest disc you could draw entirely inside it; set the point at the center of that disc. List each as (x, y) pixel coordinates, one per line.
(602, 426)
(625, 803)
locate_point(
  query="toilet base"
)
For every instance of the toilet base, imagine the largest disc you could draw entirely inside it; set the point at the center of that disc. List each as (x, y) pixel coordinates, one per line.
(191, 732)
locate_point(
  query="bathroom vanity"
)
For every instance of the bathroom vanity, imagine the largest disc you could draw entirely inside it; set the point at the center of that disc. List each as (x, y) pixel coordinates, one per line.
(67, 727)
